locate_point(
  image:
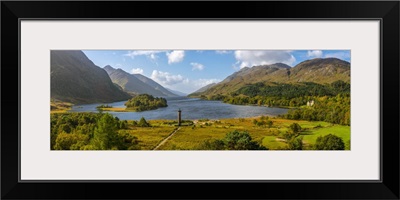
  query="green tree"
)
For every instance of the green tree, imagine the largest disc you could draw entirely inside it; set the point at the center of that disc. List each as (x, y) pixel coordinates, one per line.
(295, 128)
(213, 145)
(105, 134)
(143, 122)
(255, 121)
(65, 140)
(295, 143)
(329, 142)
(236, 140)
(144, 102)
(123, 124)
(130, 142)
(269, 123)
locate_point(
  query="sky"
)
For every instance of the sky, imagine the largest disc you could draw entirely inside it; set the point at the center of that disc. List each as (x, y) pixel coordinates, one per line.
(188, 70)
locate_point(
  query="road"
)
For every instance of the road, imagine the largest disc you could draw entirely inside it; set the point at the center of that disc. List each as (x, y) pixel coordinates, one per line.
(166, 139)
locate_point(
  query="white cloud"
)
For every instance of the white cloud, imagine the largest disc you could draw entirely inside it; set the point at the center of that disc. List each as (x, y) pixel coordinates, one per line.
(340, 55)
(197, 66)
(153, 56)
(166, 78)
(137, 71)
(179, 82)
(254, 58)
(314, 54)
(175, 56)
(150, 54)
(222, 52)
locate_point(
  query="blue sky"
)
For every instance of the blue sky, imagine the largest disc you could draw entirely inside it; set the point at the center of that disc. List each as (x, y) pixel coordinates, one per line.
(189, 70)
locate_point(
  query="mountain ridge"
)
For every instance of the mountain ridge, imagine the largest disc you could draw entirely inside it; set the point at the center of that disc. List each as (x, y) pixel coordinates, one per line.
(76, 79)
(177, 92)
(136, 83)
(154, 84)
(318, 70)
(204, 88)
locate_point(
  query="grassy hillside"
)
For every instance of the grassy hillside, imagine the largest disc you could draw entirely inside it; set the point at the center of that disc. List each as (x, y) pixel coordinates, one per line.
(319, 70)
(76, 79)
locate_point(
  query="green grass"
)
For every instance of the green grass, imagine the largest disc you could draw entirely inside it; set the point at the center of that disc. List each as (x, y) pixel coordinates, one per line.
(272, 142)
(191, 137)
(341, 131)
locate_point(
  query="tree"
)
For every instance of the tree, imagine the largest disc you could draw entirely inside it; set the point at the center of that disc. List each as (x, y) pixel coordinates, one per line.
(65, 141)
(105, 135)
(270, 123)
(296, 143)
(144, 102)
(123, 124)
(143, 122)
(236, 140)
(255, 121)
(329, 142)
(295, 127)
(213, 145)
(130, 142)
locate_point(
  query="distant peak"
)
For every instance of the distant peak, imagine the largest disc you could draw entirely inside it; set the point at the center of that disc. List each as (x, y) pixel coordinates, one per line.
(121, 70)
(322, 62)
(275, 65)
(108, 67)
(244, 68)
(281, 65)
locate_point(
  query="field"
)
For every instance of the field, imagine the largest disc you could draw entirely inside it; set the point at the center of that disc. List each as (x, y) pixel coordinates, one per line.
(193, 136)
(59, 107)
(115, 109)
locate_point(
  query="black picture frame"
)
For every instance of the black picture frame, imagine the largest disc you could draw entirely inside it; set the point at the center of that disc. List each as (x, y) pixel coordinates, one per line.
(386, 11)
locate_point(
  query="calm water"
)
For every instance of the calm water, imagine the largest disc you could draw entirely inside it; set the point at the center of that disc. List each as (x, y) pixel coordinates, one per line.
(192, 108)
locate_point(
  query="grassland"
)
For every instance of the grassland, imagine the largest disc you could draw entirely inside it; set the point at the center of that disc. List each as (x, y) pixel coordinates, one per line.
(59, 107)
(191, 137)
(115, 109)
(150, 137)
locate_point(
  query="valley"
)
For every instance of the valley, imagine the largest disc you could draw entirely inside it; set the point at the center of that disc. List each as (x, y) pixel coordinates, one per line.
(264, 107)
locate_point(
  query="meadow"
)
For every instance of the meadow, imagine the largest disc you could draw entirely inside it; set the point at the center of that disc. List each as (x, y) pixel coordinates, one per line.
(191, 137)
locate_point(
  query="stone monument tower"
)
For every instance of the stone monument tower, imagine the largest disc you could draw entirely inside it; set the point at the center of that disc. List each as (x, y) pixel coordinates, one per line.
(179, 117)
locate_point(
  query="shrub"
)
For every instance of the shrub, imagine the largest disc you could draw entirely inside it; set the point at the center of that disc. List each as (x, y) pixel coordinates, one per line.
(329, 142)
(296, 143)
(143, 123)
(234, 140)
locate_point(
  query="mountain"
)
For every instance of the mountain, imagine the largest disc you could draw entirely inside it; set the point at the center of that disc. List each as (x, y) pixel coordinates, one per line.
(136, 83)
(321, 70)
(318, 70)
(177, 92)
(155, 85)
(203, 89)
(76, 79)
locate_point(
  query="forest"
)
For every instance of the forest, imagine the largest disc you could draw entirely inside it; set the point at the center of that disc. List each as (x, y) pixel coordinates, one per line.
(92, 131)
(330, 102)
(145, 102)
